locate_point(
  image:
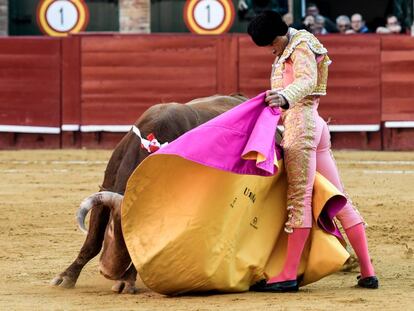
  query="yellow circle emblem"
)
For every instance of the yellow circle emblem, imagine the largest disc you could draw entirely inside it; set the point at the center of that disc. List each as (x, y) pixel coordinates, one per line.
(209, 17)
(58, 18)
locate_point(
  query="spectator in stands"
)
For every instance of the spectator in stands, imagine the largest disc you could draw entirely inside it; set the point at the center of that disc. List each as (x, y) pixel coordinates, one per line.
(357, 24)
(343, 23)
(308, 23)
(392, 27)
(319, 26)
(314, 24)
(312, 9)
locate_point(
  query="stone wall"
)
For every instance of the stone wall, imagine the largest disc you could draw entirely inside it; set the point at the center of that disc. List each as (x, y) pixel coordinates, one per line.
(134, 16)
(4, 18)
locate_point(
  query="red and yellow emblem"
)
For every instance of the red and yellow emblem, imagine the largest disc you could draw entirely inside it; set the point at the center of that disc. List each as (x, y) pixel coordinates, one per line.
(58, 18)
(209, 17)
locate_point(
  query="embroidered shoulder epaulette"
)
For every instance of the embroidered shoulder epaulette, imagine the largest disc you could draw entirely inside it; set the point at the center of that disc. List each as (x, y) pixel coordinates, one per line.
(299, 36)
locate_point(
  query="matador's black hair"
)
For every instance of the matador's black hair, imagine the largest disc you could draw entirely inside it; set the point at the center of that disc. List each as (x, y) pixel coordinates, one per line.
(265, 27)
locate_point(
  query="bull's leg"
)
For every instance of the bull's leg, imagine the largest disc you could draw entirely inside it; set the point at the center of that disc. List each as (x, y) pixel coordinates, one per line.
(126, 284)
(91, 247)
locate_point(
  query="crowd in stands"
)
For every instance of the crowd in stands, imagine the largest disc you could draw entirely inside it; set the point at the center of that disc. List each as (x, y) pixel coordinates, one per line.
(318, 24)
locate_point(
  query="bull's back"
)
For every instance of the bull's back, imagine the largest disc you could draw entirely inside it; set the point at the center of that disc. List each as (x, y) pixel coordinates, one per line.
(210, 107)
(167, 122)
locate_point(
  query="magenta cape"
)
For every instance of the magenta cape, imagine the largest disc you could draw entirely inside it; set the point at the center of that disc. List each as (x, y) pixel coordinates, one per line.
(224, 142)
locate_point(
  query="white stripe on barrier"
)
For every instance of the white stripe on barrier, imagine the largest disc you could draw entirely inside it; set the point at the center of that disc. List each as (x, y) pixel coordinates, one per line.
(354, 128)
(29, 129)
(126, 128)
(399, 124)
(105, 128)
(348, 128)
(70, 127)
(332, 128)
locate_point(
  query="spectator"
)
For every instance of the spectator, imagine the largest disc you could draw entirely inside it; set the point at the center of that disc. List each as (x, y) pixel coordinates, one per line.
(358, 24)
(319, 26)
(392, 27)
(308, 23)
(313, 10)
(343, 23)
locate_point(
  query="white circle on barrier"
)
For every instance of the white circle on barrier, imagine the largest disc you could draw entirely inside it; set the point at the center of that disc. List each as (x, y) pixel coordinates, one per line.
(209, 14)
(62, 15)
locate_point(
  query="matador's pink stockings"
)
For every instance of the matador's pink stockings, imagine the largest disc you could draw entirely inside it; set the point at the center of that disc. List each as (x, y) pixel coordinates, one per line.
(358, 240)
(296, 243)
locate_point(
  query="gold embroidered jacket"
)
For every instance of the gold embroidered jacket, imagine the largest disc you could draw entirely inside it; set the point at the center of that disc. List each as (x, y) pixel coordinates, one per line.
(302, 69)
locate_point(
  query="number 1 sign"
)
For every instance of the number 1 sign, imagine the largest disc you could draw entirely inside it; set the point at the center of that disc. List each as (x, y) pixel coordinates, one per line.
(209, 17)
(58, 18)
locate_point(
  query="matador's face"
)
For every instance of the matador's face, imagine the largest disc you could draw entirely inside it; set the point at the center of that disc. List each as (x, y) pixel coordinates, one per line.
(279, 44)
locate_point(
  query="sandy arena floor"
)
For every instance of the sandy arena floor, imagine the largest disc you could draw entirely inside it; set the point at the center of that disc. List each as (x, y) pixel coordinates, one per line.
(41, 190)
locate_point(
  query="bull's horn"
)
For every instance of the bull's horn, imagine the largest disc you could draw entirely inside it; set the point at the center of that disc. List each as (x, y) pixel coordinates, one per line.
(105, 198)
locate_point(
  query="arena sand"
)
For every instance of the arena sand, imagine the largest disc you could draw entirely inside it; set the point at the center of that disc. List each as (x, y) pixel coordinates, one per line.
(41, 190)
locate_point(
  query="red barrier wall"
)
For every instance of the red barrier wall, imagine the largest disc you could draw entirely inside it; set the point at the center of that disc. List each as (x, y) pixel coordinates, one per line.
(110, 79)
(121, 76)
(30, 90)
(354, 89)
(124, 75)
(397, 65)
(354, 95)
(71, 92)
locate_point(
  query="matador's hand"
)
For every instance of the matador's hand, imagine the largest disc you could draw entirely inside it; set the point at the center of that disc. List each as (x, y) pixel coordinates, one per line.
(273, 99)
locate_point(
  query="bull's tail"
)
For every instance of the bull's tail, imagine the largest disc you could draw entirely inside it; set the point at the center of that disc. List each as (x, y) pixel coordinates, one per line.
(104, 198)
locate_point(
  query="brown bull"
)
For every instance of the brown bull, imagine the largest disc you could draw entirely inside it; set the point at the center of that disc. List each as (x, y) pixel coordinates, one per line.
(167, 122)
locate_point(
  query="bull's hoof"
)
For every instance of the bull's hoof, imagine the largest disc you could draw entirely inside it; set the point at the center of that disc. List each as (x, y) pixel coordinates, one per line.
(130, 289)
(118, 287)
(124, 288)
(63, 281)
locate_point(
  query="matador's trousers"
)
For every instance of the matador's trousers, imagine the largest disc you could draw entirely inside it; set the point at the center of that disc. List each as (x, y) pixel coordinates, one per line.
(307, 149)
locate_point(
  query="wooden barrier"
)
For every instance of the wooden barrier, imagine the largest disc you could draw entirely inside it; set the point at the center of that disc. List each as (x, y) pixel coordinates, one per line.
(30, 92)
(397, 66)
(353, 102)
(121, 76)
(92, 87)
(71, 93)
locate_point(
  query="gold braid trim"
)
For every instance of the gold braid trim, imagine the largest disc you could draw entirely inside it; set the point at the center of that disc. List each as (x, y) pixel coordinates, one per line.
(298, 37)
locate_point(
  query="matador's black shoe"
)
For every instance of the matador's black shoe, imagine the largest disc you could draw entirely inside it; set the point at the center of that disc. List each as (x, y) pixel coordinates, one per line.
(278, 287)
(368, 282)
